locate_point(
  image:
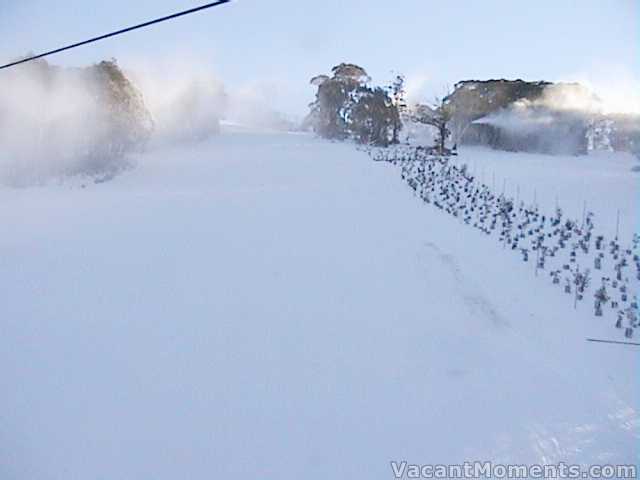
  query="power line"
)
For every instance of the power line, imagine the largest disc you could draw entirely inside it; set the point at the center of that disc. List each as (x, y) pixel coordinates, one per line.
(119, 32)
(612, 341)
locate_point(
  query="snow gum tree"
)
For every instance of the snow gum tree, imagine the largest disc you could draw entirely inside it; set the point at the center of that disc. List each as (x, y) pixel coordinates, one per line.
(346, 106)
(374, 119)
(437, 115)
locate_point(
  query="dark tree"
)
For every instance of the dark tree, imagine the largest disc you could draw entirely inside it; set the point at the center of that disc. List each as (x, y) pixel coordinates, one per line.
(398, 96)
(346, 107)
(373, 118)
(330, 108)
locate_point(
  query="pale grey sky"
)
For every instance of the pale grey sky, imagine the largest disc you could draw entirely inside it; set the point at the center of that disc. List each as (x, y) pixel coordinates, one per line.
(276, 46)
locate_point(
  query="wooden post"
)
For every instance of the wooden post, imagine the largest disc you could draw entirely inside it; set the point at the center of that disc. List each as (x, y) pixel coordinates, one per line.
(575, 298)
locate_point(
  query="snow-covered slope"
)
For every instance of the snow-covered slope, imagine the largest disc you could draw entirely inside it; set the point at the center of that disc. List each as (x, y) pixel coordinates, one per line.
(274, 306)
(604, 182)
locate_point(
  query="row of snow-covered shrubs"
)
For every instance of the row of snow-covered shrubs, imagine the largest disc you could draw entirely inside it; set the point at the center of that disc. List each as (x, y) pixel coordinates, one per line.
(565, 250)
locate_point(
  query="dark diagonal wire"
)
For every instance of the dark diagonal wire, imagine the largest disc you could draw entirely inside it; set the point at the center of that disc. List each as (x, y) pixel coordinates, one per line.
(119, 32)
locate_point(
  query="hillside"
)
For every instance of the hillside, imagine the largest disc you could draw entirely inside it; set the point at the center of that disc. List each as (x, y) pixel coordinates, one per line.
(276, 306)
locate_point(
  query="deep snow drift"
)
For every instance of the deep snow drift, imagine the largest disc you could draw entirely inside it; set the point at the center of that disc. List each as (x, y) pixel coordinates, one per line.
(275, 306)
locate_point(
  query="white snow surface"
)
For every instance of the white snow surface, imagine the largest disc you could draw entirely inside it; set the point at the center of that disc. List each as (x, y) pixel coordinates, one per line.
(276, 306)
(603, 182)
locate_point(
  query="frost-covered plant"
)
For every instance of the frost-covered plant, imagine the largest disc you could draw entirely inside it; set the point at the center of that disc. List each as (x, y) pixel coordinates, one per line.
(601, 298)
(581, 281)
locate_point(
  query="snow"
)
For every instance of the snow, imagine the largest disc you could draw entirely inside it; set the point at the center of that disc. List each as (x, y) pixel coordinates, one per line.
(604, 180)
(274, 306)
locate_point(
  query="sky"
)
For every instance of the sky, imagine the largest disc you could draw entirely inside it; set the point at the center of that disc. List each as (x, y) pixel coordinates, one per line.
(274, 47)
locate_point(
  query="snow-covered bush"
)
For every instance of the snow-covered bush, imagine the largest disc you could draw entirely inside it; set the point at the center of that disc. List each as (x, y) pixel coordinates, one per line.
(58, 122)
(125, 123)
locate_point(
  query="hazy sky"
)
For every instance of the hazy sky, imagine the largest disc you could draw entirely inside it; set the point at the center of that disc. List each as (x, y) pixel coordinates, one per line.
(274, 47)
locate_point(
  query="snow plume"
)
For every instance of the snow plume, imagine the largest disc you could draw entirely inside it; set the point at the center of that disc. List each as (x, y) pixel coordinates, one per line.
(554, 123)
(555, 99)
(621, 96)
(617, 86)
(251, 105)
(63, 122)
(562, 101)
(60, 122)
(416, 87)
(520, 117)
(566, 97)
(188, 99)
(185, 98)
